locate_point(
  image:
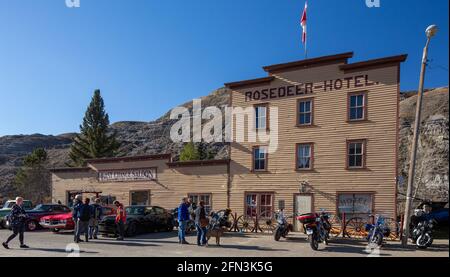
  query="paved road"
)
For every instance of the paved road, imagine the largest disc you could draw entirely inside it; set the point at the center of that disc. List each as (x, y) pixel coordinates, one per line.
(45, 244)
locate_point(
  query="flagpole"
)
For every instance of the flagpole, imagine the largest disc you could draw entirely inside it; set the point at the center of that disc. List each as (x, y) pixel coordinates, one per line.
(306, 50)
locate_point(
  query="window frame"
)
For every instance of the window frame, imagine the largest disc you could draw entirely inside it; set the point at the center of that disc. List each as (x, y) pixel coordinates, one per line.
(349, 108)
(142, 190)
(258, 203)
(199, 195)
(311, 156)
(300, 100)
(255, 107)
(364, 154)
(340, 193)
(266, 160)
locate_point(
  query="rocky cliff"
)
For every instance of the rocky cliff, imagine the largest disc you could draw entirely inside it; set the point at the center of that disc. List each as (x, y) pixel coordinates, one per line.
(153, 137)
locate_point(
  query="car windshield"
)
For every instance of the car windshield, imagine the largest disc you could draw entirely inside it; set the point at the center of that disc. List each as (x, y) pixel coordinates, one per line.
(135, 210)
(43, 208)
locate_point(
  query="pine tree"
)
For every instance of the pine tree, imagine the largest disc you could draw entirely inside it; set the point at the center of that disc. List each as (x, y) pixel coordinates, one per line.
(189, 153)
(93, 141)
(32, 181)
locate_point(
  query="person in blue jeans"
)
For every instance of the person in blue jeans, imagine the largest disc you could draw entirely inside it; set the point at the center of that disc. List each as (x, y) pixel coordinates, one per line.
(200, 224)
(183, 218)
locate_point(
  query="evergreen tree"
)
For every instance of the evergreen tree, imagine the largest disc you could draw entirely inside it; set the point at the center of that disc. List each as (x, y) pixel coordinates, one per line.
(93, 141)
(32, 181)
(189, 153)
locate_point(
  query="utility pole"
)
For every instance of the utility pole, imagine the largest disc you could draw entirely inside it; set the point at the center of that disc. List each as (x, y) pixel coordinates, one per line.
(431, 31)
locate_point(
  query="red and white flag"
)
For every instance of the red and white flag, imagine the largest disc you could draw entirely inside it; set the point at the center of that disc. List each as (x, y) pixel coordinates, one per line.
(303, 23)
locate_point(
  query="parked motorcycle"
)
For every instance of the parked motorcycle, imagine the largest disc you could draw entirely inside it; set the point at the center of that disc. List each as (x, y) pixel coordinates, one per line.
(283, 227)
(422, 229)
(377, 231)
(317, 227)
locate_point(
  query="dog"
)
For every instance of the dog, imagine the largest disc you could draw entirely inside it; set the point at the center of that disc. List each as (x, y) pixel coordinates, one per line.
(218, 226)
(217, 233)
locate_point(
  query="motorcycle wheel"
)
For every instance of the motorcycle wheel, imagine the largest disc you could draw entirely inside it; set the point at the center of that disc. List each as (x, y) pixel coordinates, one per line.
(277, 234)
(313, 242)
(424, 241)
(377, 239)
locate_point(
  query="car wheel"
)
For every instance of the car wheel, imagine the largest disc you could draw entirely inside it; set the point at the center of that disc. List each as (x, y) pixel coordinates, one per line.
(32, 225)
(131, 230)
(56, 230)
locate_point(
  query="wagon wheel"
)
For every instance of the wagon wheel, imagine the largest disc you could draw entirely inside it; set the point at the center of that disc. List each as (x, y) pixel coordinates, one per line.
(246, 224)
(267, 225)
(394, 226)
(355, 228)
(336, 226)
(233, 220)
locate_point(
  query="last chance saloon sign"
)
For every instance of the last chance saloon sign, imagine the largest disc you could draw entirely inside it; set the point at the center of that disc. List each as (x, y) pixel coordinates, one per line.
(127, 175)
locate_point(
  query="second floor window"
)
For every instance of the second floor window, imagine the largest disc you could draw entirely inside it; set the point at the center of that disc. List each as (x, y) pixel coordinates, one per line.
(305, 112)
(261, 117)
(356, 154)
(304, 156)
(357, 107)
(260, 158)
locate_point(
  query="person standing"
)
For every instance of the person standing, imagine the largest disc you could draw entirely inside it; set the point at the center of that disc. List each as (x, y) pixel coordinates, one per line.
(121, 219)
(97, 213)
(83, 213)
(77, 202)
(183, 218)
(201, 222)
(17, 219)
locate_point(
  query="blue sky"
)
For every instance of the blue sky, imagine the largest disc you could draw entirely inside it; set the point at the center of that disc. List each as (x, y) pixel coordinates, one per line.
(148, 56)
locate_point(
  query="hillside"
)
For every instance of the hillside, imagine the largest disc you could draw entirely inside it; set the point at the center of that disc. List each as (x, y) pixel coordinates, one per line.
(153, 137)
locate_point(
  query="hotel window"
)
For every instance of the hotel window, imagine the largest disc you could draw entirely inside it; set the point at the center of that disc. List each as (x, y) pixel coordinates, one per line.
(356, 154)
(355, 203)
(305, 112)
(261, 117)
(305, 156)
(357, 107)
(140, 198)
(206, 198)
(260, 158)
(259, 204)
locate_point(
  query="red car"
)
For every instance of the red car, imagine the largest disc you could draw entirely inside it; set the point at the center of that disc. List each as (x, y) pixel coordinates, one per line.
(65, 222)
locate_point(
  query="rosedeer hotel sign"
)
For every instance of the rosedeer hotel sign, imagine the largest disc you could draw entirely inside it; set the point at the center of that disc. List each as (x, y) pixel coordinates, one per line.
(127, 175)
(360, 81)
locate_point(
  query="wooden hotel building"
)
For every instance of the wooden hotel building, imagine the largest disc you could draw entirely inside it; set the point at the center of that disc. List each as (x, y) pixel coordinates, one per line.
(337, 147)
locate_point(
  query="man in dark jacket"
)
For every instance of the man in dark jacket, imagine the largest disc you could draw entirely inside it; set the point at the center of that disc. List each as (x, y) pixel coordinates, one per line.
(183, 218)
(17, 219)
(82, 213)
(97, 213)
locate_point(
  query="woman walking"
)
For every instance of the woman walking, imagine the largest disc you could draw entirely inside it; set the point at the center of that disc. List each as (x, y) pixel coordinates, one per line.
(17, 219)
